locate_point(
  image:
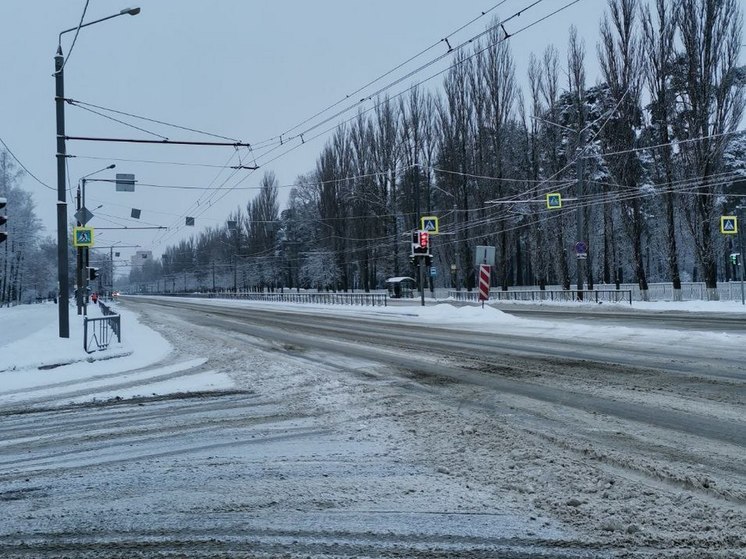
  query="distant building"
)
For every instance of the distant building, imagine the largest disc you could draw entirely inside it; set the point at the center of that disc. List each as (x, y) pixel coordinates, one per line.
(140, 258)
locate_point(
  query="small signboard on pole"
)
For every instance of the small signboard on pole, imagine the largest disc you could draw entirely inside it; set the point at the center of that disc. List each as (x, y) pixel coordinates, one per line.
(429, 223)
(554, 201)
(484, 255)
(82, 237)
(484, 283)
(125, 182)
(729, 225)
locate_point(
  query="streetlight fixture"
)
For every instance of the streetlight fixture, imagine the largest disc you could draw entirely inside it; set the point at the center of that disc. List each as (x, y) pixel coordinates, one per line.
(59, 99)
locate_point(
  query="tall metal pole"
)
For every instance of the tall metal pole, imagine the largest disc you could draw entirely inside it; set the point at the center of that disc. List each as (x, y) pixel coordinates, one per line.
(62, 267)
(422, 258)
(740, 249)
(111, 263)
(86, 262)
(580, 167)
(79, 265)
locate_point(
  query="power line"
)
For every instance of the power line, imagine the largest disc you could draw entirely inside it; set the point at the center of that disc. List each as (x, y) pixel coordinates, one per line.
(75, 38)
(83, 104)
(32, 175)
(462, 45)
(384, 75)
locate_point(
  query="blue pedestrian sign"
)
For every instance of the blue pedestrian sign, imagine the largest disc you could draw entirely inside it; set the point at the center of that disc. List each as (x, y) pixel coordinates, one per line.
(430, 224)
(82, 236)
(433, 271)
(554, 200)
(581, 249)
(728, 225)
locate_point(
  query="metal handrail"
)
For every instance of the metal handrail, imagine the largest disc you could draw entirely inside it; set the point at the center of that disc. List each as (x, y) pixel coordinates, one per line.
(596, 295)
(326, 298)
(101, 329)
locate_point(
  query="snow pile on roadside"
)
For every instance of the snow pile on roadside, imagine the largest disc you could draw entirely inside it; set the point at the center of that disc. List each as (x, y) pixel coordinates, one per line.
(37, 366)
(41, 347)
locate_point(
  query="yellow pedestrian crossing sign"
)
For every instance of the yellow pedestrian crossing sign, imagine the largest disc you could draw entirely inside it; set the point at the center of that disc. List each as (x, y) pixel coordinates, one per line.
(82, 236)
(554, 200)
(430, 224)
(728, 225)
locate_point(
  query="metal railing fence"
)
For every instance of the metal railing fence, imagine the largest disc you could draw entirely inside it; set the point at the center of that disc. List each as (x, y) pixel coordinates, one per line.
(595, 295)
(325, 298)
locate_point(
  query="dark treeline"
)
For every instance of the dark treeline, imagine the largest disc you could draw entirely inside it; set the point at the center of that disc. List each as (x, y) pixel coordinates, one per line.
(28, 261)
(647, 161)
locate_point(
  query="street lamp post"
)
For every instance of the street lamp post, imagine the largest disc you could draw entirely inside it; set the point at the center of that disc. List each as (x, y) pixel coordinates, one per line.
(59, 100)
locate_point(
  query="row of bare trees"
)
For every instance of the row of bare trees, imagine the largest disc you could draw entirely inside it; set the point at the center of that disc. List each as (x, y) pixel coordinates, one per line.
(647, 160)
(27, 260)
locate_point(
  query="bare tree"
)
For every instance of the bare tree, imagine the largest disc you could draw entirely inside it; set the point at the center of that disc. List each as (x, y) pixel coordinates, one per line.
(712, 105)
(621, 65)
(659, 42)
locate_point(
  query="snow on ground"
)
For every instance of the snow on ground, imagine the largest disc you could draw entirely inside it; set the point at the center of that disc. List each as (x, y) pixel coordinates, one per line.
(490, 319)
(35, 363)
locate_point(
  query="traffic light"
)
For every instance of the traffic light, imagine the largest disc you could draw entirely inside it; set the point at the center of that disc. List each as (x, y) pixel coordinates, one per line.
(734, 258)
(92, 274)
(420, 243)
(3, 220)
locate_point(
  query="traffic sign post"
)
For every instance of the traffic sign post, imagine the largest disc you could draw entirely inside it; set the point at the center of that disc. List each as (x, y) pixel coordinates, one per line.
(484, 283)
(581, 250)
(430, 224)
(729, 225)
(82, 237)
(554, 201)
(740, 249)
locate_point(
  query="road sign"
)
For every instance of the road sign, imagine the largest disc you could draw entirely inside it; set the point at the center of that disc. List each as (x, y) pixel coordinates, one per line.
(581, 250)
(728, 225)
(125, 182)
(433, 271)
(82, 236)
(554, 200)
(484, 282)
(430, 224)
(484, 255)
(83, 215)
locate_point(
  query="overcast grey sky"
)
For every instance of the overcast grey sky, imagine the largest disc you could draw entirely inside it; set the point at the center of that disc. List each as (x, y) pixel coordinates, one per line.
(243, 69)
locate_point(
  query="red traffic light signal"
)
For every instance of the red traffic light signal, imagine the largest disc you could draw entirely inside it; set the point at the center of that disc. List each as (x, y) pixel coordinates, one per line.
(424, 238)
(3, 219)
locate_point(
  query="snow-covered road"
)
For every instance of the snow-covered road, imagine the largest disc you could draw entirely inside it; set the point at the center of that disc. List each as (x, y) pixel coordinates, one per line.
(260, 435)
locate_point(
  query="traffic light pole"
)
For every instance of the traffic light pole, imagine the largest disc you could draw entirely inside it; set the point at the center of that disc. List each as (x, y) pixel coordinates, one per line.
(422, 260)
(79, 265)
(740, 249)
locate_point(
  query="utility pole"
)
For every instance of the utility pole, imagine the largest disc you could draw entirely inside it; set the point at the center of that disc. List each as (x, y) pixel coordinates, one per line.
(580, 170)
(235, 273)
(740, 249)
(79, 264)
(421, 259)
(62, 268)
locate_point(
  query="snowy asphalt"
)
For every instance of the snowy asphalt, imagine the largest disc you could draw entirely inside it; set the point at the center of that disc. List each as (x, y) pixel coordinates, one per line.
(366, 437)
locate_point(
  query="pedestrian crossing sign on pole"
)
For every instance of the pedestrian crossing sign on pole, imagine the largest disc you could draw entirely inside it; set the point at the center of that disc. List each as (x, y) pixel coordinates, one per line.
(82, 236)
(554, 200)
(728, 225)
(430, 224)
